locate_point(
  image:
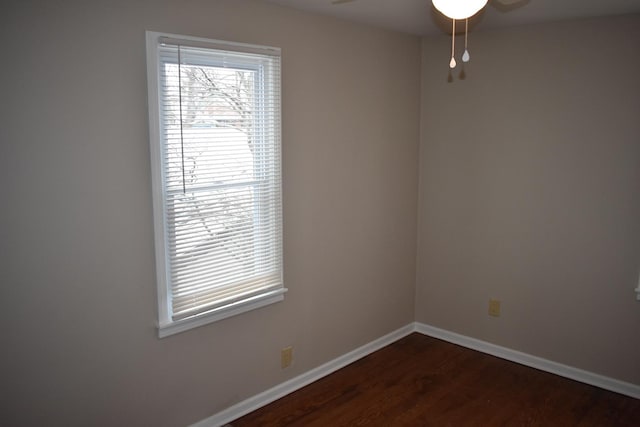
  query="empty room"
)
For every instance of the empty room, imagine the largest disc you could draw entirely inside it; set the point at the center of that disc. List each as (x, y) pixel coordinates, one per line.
(318, 212)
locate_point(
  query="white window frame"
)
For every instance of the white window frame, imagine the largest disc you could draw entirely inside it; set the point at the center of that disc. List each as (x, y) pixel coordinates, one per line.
(167, 324)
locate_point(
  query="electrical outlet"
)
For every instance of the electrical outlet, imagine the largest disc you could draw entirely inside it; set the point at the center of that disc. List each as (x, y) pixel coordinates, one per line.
(286, 356)
(494, 307)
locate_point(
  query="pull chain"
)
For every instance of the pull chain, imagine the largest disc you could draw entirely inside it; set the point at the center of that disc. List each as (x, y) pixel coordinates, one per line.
(452, 63)
(465, 55)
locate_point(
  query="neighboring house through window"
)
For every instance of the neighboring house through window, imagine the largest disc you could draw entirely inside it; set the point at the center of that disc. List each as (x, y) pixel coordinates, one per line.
(214, 113)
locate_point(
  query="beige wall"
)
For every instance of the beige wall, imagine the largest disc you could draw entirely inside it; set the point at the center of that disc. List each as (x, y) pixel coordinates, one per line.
(530, 192)
(79, 345)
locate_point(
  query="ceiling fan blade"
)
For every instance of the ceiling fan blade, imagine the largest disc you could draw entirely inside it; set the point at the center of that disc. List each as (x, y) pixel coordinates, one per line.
(509, 5)
(341, 1)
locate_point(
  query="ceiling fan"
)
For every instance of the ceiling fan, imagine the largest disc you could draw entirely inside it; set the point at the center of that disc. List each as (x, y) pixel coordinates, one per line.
(499, 4)
(462, 10)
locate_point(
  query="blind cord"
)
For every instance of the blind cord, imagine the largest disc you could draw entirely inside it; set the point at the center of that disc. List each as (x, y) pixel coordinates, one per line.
(184, 185)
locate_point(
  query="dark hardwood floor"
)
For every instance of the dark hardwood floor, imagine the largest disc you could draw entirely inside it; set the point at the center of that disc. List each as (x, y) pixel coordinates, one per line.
(422, 381)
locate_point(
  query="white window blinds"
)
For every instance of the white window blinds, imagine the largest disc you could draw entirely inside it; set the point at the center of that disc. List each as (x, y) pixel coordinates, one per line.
(218, 158)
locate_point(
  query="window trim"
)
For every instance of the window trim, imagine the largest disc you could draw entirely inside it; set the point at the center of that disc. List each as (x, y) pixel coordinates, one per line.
(166, 324)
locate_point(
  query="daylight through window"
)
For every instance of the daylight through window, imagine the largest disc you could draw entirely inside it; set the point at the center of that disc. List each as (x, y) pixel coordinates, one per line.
(215, 140)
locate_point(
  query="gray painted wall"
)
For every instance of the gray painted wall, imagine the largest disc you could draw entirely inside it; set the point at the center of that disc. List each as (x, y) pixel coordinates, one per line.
(76, 246)
(530, 192)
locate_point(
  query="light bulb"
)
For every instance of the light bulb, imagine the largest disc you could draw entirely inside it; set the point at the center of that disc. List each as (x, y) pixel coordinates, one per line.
(459, 9)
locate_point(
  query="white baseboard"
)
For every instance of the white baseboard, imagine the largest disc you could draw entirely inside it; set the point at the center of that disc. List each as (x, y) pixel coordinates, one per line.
(628, 389)
(281, 390)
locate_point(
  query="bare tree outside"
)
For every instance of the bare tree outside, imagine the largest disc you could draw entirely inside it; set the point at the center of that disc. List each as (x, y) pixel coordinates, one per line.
(210, 134)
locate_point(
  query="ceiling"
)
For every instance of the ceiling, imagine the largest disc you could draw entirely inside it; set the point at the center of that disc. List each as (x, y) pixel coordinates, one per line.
(418, 16)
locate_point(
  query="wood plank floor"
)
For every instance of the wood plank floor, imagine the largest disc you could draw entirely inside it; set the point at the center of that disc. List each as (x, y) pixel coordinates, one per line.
(423, 381)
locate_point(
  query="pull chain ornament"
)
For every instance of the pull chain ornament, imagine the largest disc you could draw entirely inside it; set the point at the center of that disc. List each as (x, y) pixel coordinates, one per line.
(465, 55)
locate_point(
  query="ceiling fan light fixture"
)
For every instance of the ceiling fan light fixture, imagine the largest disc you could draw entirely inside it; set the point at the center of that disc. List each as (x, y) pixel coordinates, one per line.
(459, 9)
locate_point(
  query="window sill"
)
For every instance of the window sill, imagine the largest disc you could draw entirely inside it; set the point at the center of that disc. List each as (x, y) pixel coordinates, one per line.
(220, 313)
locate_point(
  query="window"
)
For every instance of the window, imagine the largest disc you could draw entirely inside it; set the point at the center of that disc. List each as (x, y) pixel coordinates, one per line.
(214, 114)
